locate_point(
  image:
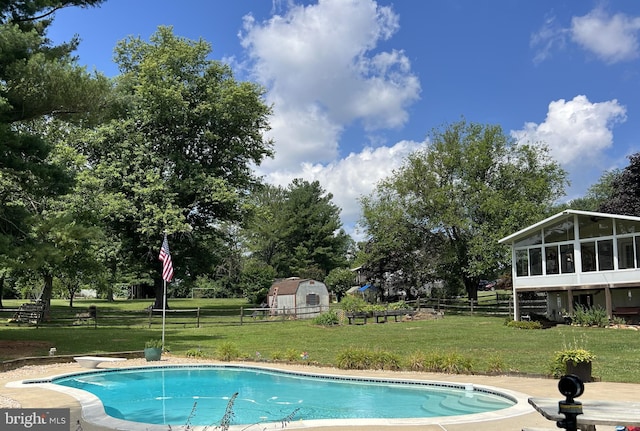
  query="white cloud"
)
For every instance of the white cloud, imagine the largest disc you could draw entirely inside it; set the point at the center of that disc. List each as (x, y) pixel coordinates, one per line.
(322, 72)
(611, 38)
(352, 177)
(550, 37)
(576, 131)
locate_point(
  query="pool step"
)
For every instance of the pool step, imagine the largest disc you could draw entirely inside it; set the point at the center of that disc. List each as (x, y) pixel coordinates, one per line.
(475, 404)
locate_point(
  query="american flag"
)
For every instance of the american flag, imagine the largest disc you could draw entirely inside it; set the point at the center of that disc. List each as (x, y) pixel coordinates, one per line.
(165, 257)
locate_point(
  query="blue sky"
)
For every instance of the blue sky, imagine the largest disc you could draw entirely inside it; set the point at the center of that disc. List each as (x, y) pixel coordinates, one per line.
(357, 85)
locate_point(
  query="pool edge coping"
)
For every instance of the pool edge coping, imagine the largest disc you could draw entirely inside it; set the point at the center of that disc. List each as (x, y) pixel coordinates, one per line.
(93, 410)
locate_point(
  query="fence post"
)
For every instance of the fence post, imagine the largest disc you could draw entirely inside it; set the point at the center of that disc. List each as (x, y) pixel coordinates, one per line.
(150, 315)
(198, 318)
(471, 303)
(241, 314)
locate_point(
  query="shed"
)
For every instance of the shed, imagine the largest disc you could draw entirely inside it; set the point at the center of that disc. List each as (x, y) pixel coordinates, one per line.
(302, 298)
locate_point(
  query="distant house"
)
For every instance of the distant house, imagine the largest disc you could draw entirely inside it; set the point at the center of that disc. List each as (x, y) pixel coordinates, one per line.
(579, 258)
(302, 298)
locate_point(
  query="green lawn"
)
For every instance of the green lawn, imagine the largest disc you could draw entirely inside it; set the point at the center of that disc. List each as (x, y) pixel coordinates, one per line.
(483, 339)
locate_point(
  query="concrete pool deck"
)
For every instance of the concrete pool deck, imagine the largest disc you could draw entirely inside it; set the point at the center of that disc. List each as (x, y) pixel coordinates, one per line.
(35, 397)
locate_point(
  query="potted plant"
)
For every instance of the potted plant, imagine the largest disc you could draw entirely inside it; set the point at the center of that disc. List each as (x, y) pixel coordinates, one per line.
(153, 350)
(576, 361)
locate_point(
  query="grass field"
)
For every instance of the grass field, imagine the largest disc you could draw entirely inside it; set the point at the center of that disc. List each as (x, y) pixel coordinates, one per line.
(124, 326)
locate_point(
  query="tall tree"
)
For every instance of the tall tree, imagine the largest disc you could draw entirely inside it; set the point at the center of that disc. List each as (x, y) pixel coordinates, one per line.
(470, 186)
(339, 280)
(38, 82)
(625, 190)
(179, 156)
(297, 230)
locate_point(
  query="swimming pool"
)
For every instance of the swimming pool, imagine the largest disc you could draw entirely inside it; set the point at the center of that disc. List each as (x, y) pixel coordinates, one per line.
(199, 395)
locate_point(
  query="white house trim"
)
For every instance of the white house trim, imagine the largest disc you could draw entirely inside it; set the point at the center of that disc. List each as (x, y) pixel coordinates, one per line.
(581, 254)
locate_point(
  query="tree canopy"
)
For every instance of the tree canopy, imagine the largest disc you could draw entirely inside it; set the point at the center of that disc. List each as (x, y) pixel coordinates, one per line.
(441, 214)
(297, 230)
(39, 83)
(177, 157)
(624, 190)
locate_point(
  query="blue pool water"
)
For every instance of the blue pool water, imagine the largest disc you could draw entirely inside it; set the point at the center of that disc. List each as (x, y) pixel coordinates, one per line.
(199, 395)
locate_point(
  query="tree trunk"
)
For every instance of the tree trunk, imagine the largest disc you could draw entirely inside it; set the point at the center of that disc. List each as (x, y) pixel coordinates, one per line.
(159, 289)
(47, 293)
(472, 289)
(1, 290)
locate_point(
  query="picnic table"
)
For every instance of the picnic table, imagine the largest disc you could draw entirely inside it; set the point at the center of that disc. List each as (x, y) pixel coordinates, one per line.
(594, 412)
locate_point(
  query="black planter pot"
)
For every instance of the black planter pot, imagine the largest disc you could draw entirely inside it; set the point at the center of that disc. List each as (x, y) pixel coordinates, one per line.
(581, 369)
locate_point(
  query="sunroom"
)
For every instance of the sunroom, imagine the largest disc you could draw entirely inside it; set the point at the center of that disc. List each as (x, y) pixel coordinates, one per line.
(579, 258)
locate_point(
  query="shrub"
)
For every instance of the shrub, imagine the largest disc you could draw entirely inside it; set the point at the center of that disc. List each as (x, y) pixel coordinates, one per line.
(153, 344)
(291, 355)
(363, 359)
(594, 316)
(617, 320)
(383, 360)
(353, 304)
(455, 363)
(227, 351)
(452, 363)
(194, 353)
(329, 318)
(400, 305)
(354, 359)
(496, 365)
(277, 356)
(523, 324)
(416, 361)
(375, 307)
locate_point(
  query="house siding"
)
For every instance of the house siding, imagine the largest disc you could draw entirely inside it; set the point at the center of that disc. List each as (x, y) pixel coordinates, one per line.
(292, 295)
(576, 255)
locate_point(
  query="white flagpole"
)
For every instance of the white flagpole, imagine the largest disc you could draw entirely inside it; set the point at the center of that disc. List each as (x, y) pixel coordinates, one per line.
(164, 307)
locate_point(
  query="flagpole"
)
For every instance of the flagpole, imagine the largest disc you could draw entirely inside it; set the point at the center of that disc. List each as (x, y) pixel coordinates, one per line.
(164, 308)
(167, 275)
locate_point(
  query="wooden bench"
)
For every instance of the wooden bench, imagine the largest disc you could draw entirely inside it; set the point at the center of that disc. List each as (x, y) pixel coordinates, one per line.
(627, 312)
(30, 313)
(353, 316)
(94, 361)
(392, 313)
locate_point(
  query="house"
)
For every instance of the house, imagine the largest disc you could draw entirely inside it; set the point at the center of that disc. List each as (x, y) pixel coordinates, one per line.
(579, 257)
(302, 298)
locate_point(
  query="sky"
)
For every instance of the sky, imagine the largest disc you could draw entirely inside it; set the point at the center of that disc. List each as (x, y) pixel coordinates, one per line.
(358, 85)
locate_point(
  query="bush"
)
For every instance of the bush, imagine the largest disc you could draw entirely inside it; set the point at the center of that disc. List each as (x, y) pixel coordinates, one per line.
(277, 356)
(353, 304)
(363, 359)
(523, 324)
(291, 355)
(496, 365)
(455, 363)
(400, 305)
(416, 361)
(594, 316)
(383, 360)
(329, 318)
(227, 351)
(194, 353)
(354, 359)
